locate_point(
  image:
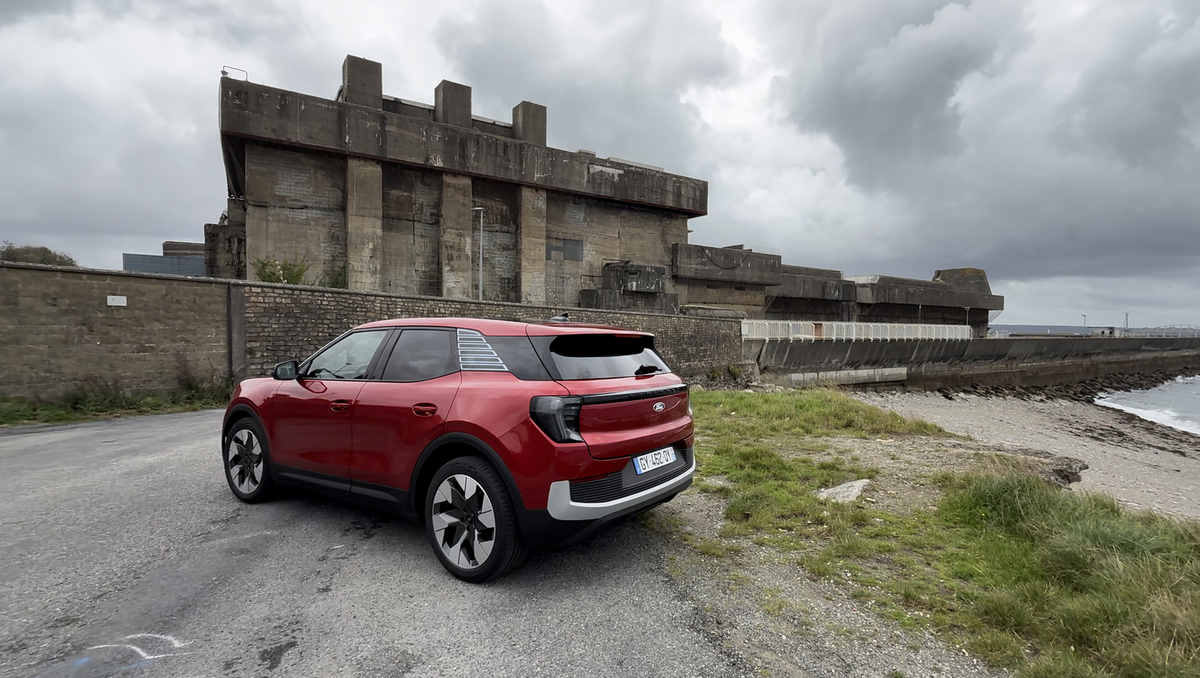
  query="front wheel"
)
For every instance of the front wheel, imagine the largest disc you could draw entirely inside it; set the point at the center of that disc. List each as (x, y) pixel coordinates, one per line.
(470, 521)
(246, 462)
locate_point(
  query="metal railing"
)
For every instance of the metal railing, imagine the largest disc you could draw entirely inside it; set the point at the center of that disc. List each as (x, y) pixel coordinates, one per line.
(784, 329)
(1165, 331)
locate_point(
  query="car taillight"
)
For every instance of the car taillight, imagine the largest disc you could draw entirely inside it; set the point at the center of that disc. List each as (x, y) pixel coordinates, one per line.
(558, 416)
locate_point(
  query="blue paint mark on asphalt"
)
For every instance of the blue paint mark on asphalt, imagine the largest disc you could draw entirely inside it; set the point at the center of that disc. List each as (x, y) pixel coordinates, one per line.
(96, 672)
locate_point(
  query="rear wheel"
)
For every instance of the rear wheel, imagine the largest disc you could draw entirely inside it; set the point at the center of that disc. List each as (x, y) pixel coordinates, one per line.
(247, 468)
(470, 521)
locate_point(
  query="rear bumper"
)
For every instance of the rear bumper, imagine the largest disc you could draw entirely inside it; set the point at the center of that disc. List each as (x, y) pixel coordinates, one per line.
(560, 506)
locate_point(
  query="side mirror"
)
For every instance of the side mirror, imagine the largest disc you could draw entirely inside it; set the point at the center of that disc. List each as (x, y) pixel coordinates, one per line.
(286, 371)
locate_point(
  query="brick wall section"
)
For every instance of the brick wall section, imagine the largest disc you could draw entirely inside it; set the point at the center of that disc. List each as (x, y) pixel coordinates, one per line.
(57, 331)
(285, 322)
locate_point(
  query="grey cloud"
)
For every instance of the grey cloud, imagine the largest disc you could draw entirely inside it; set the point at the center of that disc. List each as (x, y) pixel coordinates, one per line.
(117, 189)
(15, 11)
(1140, 101)
(614, 90)
(880, 79)
(1024, 182)
(103, 174)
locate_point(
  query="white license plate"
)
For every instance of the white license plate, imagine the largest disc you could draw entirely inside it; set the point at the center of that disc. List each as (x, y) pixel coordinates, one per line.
(653, 460)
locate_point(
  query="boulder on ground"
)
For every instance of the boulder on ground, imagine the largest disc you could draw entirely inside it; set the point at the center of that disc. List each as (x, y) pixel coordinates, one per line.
(844, 493)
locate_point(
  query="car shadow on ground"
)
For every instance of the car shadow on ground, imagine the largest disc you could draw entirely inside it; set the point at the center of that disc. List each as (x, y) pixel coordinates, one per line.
(597, 557)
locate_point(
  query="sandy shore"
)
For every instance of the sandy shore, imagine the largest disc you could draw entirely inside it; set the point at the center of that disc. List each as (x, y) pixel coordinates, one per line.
(1143, 464)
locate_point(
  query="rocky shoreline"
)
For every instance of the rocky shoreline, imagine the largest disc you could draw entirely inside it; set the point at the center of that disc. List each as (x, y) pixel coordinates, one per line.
(1084, 391)
(1142, 464)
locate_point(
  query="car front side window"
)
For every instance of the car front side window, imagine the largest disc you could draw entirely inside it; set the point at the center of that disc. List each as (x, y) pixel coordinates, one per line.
(348, 358)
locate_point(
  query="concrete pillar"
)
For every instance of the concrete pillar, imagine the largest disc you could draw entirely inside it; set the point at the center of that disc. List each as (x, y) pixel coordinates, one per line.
(456, 246)
(257, 230)
(452, 104)
(529, 122)
(531, 232)
(364, 224)
(362, 82)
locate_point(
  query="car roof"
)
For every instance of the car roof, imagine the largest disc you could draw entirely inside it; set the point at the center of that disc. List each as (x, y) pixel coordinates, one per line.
(503, 328)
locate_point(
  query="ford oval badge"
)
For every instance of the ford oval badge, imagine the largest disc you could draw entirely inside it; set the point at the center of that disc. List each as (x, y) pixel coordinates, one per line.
(660, 406)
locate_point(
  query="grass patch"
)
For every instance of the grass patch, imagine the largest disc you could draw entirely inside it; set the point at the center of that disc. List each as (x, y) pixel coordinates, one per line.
(1098, 590)
(97, 402)
(808, 412)
(1046, 582)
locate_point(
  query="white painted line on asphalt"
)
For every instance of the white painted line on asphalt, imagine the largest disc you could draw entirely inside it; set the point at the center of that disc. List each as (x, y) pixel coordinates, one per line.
(174, 643)
(140, 651)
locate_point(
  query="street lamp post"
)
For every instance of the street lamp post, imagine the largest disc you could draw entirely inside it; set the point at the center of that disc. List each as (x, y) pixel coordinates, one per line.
(480, 210)
(1084, 322)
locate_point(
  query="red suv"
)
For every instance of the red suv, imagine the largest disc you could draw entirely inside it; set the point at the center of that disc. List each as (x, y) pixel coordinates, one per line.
(500, 436)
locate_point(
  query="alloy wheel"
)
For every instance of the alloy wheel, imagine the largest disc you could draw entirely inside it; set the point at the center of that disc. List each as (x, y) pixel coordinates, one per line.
(244, 461)
(464, 523)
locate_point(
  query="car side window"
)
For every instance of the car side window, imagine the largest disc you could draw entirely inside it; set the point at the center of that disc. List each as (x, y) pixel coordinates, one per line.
(420, 355)
(348, 358)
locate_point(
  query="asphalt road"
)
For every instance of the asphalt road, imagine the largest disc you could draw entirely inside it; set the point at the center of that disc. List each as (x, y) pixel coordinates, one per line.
(124, 553)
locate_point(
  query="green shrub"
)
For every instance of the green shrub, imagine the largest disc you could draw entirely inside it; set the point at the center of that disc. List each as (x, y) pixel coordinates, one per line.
(272, 270)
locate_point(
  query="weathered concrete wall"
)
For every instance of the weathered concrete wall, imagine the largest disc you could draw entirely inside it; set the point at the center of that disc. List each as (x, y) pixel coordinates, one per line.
(295, 209)
(501, 253)
(456, 255)
(531, 236)
(252, 111)
(58, 332)
(583, 234)
(750, 300)
(284, 322)
(882, 289)
(725, 264)
(364, 224)
(411, 212)
(1013, 362)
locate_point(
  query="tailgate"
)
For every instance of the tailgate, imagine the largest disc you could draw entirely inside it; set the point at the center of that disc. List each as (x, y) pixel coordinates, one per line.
(631, 417)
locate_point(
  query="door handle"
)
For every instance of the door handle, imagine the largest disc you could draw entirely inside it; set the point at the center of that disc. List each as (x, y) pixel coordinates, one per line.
(339, 405)
(424, 409)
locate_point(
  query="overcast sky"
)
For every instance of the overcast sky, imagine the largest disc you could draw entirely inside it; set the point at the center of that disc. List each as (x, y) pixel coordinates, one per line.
(1055, 144)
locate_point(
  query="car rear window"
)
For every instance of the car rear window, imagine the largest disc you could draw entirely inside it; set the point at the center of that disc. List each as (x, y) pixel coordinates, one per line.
(605, 356)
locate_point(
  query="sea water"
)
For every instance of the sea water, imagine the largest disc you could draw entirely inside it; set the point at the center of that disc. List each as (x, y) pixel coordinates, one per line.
(1175, 403)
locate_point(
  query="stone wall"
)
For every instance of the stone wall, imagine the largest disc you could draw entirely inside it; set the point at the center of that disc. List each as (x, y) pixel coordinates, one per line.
(284, 322)
(60, 331)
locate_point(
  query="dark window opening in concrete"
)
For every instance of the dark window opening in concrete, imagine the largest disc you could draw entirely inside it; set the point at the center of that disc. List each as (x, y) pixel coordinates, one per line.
(572, 250)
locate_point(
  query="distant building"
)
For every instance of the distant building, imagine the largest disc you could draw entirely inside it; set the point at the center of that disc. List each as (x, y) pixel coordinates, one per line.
(383, 194)
(178, 258)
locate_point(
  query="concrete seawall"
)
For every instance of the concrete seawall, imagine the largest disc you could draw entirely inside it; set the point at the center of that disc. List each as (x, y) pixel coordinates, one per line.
(933, 363)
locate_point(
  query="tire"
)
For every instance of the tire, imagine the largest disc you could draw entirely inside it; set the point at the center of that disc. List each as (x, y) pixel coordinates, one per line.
(470, 521)
(246, 459)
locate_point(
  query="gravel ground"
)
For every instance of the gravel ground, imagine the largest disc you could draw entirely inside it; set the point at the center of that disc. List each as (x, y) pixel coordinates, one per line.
(1143, 464)
(765, 610)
